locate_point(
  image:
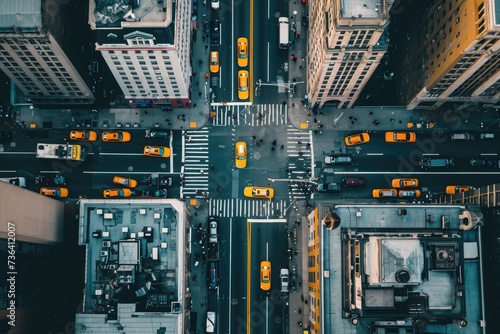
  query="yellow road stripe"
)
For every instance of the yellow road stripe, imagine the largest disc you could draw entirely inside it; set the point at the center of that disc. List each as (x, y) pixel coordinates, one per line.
(249, 260)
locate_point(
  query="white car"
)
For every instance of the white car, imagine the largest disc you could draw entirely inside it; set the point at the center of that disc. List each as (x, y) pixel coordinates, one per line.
(215, 4)
(17, 181)
(285, 279)
(212, 222)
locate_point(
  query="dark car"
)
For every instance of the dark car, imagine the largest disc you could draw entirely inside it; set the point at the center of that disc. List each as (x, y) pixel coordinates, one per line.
(354, 182)
(157, 134)
(484, 163)
(155, 193)
(212, 275)
(329, 187)
(215, 32)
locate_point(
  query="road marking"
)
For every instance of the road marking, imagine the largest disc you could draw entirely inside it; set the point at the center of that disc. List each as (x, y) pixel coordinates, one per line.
(374, 153)
(488, 154)
(249, 258)
(430, 153)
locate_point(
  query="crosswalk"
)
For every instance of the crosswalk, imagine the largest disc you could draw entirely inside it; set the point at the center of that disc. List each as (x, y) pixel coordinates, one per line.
(250, 208)
(300, 165)
(195, 168)
(251, 115)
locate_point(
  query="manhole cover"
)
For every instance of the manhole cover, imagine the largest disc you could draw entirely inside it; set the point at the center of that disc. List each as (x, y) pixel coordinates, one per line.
(256, 156)
(277, 319)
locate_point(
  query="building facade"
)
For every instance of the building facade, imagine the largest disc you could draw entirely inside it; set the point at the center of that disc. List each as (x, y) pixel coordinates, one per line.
(33, 57)
(453, 55)
(147, 50)
(346, 43)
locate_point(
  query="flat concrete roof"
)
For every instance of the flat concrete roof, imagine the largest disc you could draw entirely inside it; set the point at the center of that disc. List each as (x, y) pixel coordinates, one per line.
(24, 14)
(406, 260)
(134, 265)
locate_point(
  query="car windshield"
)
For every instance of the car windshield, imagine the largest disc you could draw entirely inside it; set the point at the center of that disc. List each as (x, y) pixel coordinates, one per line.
(120, 192)
(56, 192)
(161, 151)
(119, 136)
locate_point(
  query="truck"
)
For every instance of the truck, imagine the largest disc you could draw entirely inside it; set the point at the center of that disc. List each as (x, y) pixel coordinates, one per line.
(61, 151)
(210, 327)
(159, 181)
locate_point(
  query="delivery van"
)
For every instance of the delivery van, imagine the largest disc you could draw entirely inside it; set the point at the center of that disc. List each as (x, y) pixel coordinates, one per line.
(284, 33)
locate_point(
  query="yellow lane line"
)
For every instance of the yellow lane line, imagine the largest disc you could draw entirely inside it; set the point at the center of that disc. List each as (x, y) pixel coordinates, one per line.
(249, 260)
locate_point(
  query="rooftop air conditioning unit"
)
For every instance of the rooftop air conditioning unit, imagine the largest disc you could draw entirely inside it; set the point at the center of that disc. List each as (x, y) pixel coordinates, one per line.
(142, 211)
(108, 215)
(98, 211)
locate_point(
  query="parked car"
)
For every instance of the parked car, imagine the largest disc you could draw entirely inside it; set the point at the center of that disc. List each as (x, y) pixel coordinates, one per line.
(285, 279)
(329, 187)
(157, 133)
(57, 192)
(83, 135)
(400, 137)
(214, 62)
(354, 182)
(450, 190)
(409, 193)
(17, 181)
(337, 160)
(242, 47)
(485, 163)
(215, 32)
(404, 183)
(243, 85)
(125, 181)
(212, 276)
(213, 235)
(116, 136)
(380, 193)
(359, 138)
(124, 192)
(157, 151)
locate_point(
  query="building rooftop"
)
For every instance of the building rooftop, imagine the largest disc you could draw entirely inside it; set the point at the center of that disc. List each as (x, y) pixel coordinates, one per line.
(362, 8)
(134, 269)
(24, 14)
(401, 267)
(130, 13)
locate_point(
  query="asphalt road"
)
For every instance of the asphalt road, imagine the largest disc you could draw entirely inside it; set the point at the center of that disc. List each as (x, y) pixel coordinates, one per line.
(265, 58)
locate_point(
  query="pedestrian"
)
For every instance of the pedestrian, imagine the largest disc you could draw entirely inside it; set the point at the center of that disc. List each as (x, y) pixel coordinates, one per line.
(199, 94)
(293, 104)
(197, 83)
(315, 120)
(253, 137)
(299, 142)
(370, 113)
(301, 66)
(392, 120)
(284, 103)
(146, 112)
(203, 38)
(282, 147)
(206, 47)
(194, 105)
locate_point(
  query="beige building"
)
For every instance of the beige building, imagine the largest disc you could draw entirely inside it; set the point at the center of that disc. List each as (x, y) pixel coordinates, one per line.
(32, 53)
(345, 45)
(453, 55)
(147, 47)
(29, 216)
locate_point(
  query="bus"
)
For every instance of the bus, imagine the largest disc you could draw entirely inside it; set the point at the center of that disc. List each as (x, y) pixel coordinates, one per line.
(61, 151)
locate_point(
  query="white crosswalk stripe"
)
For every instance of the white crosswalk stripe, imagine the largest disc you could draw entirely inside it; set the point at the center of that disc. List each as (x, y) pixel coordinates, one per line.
(299, 147)
(236, 207)
(196, 167)
(252, 115)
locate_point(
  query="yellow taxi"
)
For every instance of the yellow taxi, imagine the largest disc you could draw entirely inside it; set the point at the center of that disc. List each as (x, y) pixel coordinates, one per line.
(258, 192)
(242, 47)
(125, 181)
(357, 139)
(83, 135)
(243, 85)
(214, 61)
(265, 275)
(403, 183)
(400, 137)
(54, 192)
(157, 151)
(380, 193)
(450, 190)
(124, 192)
(240, 155)
(117, 136)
